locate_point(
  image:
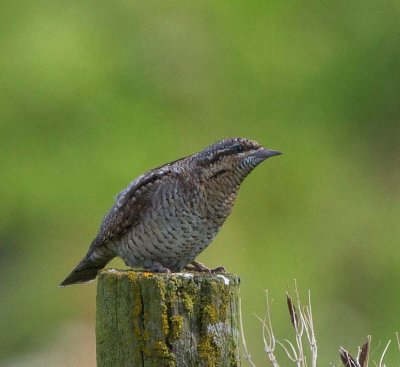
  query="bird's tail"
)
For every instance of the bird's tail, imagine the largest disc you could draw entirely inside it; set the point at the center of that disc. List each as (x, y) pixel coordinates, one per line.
(87, 269)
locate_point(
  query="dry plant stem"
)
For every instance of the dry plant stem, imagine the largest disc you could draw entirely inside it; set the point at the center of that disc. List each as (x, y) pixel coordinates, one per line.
(299, 330)
(269, 340)
(374, 350)
(363, 355)
(294, 358)
(307, 323)
(347, 359)
(269, 344)
(383, 354)
(294, 319)
(301, 318)
(298, 325)
(246, 354)
(310, 332)
(302, 321)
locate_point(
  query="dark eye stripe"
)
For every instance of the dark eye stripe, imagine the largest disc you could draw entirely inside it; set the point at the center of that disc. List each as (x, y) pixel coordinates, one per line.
(222, 153)
(226, 152)
(225, 148)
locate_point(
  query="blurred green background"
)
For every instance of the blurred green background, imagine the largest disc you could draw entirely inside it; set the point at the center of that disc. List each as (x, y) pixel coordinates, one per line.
(92, 94)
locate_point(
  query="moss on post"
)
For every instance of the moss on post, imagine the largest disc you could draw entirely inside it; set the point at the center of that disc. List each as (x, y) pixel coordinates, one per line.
(157, 320)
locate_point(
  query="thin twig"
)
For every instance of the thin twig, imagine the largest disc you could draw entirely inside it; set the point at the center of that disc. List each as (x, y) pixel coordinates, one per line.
(293, 358)
(309, 326)
(269, 341)
(299, 328)
(246, 354)
(384, 352)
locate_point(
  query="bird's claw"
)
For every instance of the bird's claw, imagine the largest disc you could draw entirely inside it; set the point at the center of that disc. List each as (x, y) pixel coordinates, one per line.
(201, 268)
(218, 269)
(156, 267)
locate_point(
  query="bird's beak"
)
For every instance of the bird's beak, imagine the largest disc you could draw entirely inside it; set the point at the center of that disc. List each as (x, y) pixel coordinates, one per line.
(264, 153)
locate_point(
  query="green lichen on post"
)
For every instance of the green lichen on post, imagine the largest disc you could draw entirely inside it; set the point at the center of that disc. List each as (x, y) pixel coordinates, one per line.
(182, 319)
(187, 302)
(214, 303)
(155, 321)
(208, 351)
(176, 326)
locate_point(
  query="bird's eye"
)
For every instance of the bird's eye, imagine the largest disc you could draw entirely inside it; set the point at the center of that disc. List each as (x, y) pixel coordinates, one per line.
(238, 149)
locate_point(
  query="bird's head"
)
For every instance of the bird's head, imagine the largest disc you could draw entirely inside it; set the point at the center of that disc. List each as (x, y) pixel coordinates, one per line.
(234, 157)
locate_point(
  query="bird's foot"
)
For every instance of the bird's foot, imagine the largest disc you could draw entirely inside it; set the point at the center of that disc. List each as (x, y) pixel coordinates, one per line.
(218, 269)
(201, 268)
(197, 266)
(156, 267)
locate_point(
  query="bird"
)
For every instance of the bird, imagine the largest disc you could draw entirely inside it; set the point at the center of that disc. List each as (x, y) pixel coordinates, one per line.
(168, 215)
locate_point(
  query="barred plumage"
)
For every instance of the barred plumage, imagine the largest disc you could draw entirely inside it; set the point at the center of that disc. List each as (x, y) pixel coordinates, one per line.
(168, 215)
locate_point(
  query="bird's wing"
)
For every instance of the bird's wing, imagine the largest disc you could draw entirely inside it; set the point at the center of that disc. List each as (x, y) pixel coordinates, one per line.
(130, 204)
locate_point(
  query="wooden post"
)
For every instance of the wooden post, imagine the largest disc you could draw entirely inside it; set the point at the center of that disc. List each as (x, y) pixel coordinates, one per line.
(174, 320)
